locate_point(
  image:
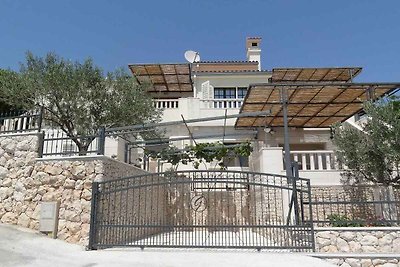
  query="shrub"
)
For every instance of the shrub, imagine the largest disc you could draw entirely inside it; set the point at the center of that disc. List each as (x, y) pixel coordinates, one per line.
(337, 220)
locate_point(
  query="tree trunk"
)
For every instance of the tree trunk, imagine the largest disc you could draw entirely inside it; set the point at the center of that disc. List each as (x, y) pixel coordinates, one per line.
(83, 150)
(83, 145)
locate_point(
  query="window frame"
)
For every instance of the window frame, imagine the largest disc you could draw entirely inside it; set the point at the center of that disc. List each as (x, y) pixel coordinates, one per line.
(225, 91)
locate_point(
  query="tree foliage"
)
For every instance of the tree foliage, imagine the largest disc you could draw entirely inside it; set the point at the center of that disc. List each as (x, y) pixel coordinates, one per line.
(202, 153)
(8, 80)
(77, 97)
(372, 154)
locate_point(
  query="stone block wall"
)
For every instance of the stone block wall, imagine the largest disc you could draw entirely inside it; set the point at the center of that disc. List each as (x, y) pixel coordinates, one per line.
(70, 182)
(26, 181)
(386, 261)
(358, 240)
(18, 190)
(360, 246)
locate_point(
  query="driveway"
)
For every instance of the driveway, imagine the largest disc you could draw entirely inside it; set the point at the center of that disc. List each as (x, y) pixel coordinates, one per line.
(24, 247)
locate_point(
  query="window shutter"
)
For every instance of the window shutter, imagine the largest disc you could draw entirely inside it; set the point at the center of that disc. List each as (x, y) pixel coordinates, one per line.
(207, 90)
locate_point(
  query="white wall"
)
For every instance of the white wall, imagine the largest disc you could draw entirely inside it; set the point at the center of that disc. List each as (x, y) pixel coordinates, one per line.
(325, 177)
(111, 147)
(298, 136)
(227, 80)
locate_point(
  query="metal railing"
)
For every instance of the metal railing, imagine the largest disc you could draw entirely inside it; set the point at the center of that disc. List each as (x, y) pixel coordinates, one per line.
(20, 121)
(217, 209)
(52, 142)
(58, 143)
(311, 160)
(367, 205)
(221, 103)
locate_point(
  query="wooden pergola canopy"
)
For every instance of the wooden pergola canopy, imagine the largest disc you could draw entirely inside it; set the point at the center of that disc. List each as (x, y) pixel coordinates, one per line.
(313, 105)
(314, 74)
(164, 77)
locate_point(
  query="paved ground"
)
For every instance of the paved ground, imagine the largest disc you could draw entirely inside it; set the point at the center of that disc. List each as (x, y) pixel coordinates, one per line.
(22, 247)
(202, 237)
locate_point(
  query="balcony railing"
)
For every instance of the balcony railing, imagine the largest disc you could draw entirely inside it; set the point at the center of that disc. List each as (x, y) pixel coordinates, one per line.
(315, 160)
(221, 103)
(20, 121)
(56, 143)
(166, 103)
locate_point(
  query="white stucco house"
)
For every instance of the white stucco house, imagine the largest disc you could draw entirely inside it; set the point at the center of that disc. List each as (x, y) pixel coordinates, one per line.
(317, 97)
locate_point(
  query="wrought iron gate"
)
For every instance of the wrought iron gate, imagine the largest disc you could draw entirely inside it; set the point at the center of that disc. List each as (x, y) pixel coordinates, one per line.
(219, 209)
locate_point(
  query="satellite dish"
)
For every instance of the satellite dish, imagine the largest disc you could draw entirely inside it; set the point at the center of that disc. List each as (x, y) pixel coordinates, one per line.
(192, 56)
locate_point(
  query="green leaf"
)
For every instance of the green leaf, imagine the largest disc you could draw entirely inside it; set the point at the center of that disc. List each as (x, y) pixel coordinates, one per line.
(372, 154)
(77, 97)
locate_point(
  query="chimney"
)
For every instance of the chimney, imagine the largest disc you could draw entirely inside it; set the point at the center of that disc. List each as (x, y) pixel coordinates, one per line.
(254, 50)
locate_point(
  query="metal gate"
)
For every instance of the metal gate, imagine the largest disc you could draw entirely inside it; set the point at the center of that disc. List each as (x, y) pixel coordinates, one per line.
(213, 209)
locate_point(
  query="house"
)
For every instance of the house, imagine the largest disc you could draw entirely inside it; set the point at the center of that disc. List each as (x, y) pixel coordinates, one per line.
(316, 99)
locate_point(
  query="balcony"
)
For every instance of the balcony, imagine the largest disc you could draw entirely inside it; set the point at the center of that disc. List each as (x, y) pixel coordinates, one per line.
(315, 160)
(193, 108)
(204, 103)
(320, 166)
(166, 103)
(221, 103)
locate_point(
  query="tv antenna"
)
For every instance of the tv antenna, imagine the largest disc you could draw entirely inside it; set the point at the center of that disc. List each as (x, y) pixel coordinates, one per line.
(192, 56)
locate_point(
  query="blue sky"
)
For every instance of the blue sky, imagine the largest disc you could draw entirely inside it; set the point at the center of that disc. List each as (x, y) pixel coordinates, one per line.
(295, 33)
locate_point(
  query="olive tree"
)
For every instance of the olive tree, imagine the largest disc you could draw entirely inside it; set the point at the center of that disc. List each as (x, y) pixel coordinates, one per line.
(373, 153)
(8, 79)
(78, 97)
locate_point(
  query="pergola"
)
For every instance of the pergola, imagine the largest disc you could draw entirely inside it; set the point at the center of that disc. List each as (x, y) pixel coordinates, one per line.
(308, 97)
(164, 77)
(343, 74)
(312, 105)
(129, 133)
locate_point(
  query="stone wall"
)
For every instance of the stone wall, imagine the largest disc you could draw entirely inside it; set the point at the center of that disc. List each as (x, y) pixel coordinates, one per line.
(360, 246)
(358, 240)
(25, 182)
(19, 192)
(70, 182)
(360, 261)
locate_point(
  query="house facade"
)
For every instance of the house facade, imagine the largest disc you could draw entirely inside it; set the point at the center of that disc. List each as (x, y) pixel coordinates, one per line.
(218, 88)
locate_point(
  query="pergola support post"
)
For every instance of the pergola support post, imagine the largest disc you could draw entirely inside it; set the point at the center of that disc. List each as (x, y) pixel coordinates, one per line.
(371, 93)
(290, 172)
(284, 101)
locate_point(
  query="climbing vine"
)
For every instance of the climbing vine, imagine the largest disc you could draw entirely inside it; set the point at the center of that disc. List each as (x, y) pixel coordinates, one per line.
(202, 153)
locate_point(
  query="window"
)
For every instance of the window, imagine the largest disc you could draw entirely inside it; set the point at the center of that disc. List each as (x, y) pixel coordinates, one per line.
(241, 93)
(229, 92)
(224, 93)
(253, 44)
(232, 97)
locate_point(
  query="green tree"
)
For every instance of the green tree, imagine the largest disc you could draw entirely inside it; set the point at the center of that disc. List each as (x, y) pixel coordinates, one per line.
(8, 79)
(77, 97)
(373, 153)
